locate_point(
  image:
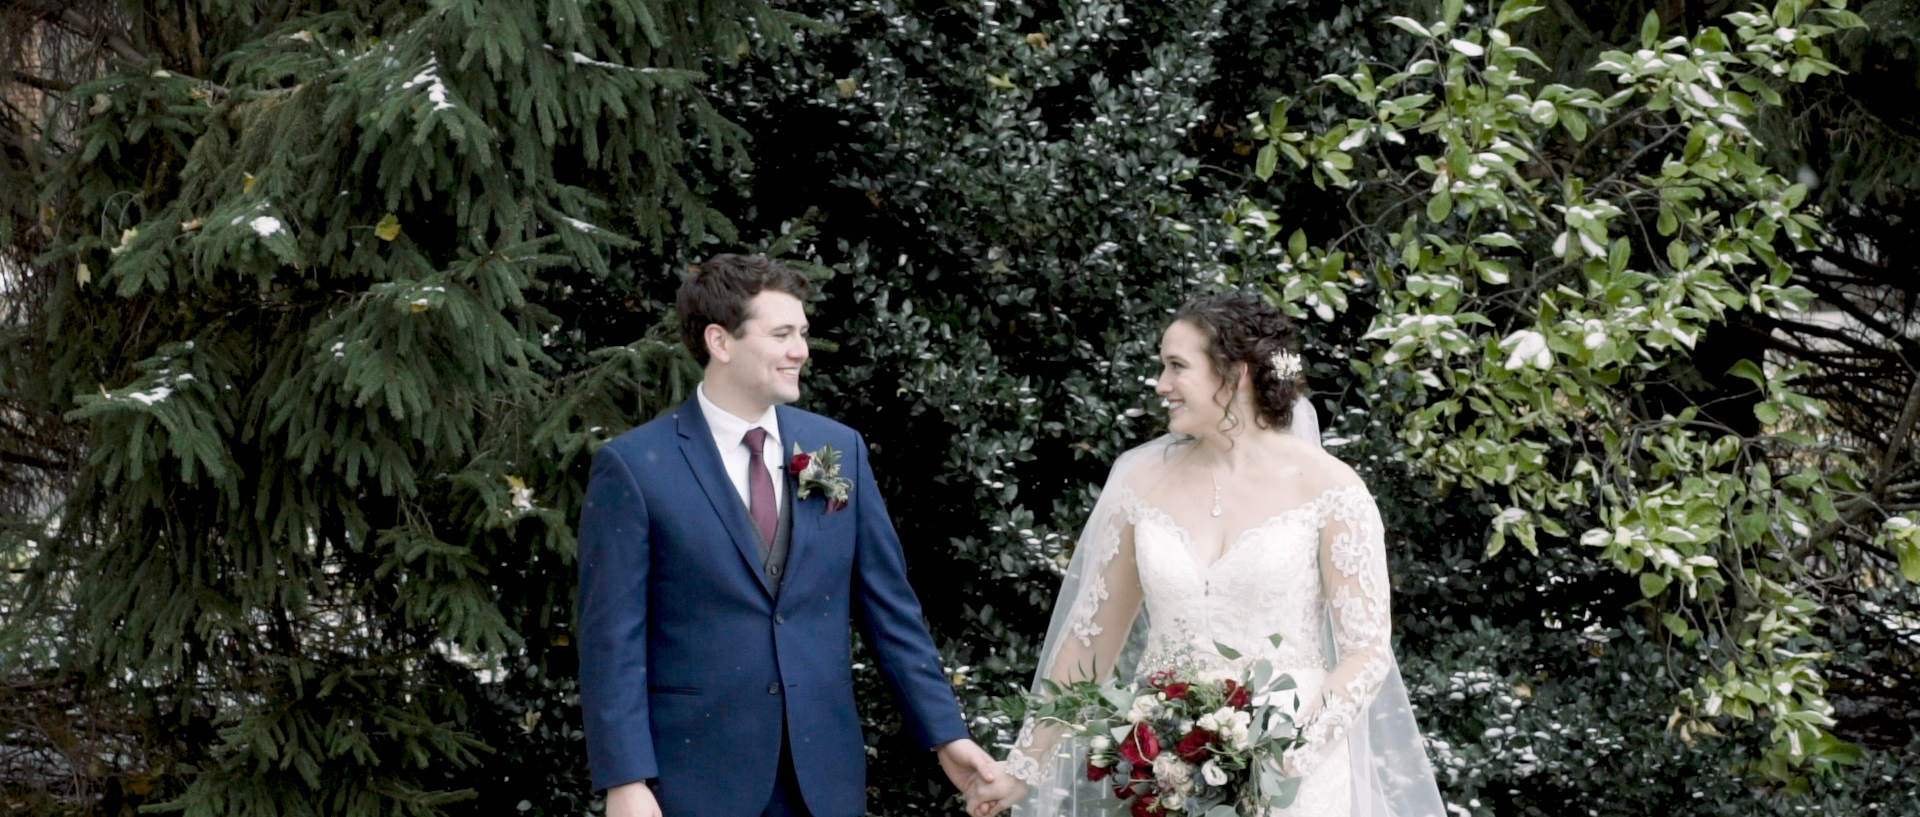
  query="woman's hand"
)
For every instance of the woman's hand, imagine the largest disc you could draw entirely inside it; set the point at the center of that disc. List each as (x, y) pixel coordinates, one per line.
(988, 799)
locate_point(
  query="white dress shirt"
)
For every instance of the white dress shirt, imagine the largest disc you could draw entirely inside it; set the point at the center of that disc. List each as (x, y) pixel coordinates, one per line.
(729, 436)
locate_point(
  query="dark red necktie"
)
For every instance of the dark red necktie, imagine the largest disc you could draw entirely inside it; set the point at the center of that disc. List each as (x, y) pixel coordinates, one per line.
(766, 515)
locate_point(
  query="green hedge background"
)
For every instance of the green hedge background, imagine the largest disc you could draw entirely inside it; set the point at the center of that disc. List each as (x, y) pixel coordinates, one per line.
(299, 581)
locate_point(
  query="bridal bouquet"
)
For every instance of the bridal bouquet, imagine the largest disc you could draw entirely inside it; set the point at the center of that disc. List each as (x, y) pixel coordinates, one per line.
(1176, 744)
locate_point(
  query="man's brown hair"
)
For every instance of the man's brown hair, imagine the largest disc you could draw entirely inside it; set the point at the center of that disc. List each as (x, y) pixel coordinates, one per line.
(718, 292)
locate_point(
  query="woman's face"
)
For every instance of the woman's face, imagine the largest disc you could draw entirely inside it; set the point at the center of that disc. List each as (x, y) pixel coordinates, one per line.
(1188, 382)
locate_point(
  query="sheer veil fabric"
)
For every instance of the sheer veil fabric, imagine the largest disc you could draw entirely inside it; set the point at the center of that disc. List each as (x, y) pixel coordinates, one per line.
(1102, 628)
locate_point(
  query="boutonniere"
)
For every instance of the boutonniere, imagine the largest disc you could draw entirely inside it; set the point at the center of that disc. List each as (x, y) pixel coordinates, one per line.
(819, 471)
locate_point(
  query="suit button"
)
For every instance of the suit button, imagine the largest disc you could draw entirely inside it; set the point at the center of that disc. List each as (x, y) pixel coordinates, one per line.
(779, 619)
(774, 571)
(773, 688)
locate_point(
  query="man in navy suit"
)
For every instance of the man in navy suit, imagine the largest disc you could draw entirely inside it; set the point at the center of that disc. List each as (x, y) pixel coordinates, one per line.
(715, 601)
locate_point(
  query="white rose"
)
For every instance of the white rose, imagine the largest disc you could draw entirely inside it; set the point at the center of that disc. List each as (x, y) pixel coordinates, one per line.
(1143, 708)
(1213, 774)
(1101, 743)
(1208, 723)
(1239, 739)
(1171, 771)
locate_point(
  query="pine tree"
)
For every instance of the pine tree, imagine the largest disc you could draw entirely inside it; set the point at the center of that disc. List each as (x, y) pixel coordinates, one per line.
(296, 273)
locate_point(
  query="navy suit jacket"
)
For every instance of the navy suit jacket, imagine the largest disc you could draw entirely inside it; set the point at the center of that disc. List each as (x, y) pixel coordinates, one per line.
(689, 663)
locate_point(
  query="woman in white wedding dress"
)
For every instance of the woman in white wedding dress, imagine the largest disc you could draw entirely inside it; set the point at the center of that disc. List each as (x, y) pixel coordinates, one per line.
(1234, 527)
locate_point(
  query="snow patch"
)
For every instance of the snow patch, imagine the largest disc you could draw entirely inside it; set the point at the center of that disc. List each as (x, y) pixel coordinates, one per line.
(149, 398)
(430, 77)
(265, 225)
(582, 59)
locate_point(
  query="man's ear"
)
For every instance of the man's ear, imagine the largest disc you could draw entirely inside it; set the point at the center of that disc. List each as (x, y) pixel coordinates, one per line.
(719, 343)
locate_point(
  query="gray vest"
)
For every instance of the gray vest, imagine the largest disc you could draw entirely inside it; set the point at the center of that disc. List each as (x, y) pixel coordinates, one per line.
(773, 555)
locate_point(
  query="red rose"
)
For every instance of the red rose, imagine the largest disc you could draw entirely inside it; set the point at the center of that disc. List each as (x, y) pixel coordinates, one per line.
(1193, 747)
(1097, 773)
(1176, 691)
(1141, 747)
(799, 463)
(1238, 696)
(1147, 805)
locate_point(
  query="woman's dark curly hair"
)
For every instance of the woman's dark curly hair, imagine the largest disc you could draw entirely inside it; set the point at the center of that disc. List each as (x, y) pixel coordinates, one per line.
(1241, 327)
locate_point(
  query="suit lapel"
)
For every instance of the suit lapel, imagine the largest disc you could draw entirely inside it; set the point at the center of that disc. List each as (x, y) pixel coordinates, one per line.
(806, 513)
(696, 442)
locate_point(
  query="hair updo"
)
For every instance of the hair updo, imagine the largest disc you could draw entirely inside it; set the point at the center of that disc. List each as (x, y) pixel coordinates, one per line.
(1242, 328)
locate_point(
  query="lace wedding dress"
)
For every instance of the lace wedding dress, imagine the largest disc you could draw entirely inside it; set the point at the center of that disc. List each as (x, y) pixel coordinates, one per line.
(1138, 599)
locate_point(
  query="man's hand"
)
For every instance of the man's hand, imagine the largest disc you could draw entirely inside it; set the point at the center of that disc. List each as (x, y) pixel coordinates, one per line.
(969, 767)
(632, 800)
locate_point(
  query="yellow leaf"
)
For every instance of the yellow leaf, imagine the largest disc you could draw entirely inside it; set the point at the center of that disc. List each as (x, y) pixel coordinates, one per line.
(848, 87)
(1039, 40)
(389, 227)
(101, 102)
(190, 226)
(1000, 82)
(516, 482)
(247, 186)
(84, 275)
(420, 305)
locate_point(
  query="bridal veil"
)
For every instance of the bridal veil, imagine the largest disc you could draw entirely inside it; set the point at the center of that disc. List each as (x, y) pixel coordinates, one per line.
(1391, 776)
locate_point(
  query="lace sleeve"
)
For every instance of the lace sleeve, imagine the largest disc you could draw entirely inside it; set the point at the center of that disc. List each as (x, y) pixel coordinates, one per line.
(1353, 575)
(1087, 642)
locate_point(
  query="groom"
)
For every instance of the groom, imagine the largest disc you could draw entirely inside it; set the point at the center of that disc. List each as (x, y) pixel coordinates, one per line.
(715, 655)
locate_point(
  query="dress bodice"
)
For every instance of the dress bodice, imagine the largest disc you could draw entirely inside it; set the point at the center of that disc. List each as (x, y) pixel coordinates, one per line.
(1266, 582)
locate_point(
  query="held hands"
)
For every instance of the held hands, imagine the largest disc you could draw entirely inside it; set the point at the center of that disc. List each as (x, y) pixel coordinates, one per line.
(632, 800)
(994, 796)
(972, 771)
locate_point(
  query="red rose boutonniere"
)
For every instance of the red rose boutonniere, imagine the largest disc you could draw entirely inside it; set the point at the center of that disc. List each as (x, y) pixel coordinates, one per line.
(819, 471)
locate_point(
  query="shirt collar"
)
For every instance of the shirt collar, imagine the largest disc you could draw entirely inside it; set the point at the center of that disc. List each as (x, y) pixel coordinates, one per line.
(730, 428)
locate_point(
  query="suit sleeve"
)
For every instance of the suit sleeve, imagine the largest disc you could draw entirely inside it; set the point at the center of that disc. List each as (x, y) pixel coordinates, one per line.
(890, 615)
(613, 625)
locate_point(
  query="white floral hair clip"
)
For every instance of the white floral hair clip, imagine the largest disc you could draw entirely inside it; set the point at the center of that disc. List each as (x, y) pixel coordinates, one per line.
(1286, 365)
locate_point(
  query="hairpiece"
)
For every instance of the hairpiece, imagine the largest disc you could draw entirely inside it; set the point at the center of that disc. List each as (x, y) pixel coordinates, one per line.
(1285, 364)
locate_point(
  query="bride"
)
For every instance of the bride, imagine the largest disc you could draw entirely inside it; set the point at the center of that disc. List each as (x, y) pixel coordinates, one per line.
(1234, 527)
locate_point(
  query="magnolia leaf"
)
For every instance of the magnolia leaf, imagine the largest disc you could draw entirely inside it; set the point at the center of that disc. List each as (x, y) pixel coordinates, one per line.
(1751, 371)
(1268, 160)
(1652, 584)
(1908, 551)
(389, 227)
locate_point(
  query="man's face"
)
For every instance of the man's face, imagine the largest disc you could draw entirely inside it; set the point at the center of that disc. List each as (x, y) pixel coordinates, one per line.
(763, 364)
